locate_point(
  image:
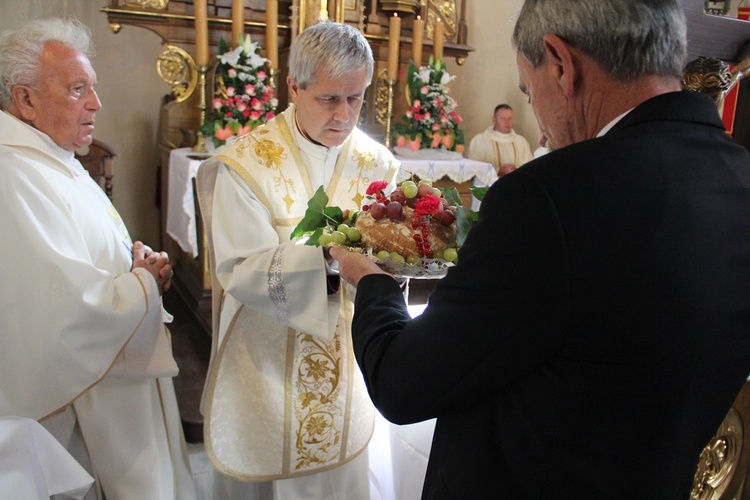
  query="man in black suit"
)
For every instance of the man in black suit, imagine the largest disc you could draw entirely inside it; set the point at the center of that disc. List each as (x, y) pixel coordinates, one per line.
(597, 326)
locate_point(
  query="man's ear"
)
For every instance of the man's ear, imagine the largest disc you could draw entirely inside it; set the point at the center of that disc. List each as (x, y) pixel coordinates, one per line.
(564, 63)
(293, 88)
(23, 101)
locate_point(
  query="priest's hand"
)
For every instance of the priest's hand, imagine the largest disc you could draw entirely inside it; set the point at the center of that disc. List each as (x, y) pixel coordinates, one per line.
(354, 266)
(505, 169)
(156, 263)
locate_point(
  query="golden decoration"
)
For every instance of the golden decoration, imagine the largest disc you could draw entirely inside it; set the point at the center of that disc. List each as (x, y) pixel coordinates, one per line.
(717, 462)
(318, 384)
(365, 161)
(270, 155)
(153, 4)
(177, 68)
(445, 10)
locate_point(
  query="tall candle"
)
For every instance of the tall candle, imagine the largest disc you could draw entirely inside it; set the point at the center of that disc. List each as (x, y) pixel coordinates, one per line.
(272, 32)
(394, 38)
(238, 22)
(437, 40)
(416, 41)
(201, 32)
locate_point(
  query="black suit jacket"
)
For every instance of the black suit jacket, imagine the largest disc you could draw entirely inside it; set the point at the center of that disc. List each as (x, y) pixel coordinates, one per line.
(597, 327)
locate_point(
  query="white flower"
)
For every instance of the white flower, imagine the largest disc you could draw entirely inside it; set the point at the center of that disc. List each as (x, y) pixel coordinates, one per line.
(424, 74)
(255, 60)
(446, 78)
(232, 57)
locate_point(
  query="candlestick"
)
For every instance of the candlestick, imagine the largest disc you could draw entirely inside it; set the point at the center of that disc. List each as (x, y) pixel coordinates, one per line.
(437, 40)
(416, 41)
(238, 22)
(200, 145)
(394, 38)
(272, 32)
(389, 116)
(201, 33)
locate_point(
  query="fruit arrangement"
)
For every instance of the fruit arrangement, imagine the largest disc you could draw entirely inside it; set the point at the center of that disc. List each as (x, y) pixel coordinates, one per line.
(416, 221)
(415, 226)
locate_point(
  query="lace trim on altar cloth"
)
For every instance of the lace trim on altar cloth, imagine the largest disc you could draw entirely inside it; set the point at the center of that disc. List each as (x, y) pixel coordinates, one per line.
(276, 287)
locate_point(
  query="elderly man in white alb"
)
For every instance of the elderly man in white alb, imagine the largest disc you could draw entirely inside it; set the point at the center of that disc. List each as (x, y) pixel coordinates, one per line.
(499, 144)
(287, 413)
(83, 348)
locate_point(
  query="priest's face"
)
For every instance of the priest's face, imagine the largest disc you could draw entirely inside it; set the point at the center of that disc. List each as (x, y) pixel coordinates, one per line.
(63, 103)
(502, 121)
(328, 109)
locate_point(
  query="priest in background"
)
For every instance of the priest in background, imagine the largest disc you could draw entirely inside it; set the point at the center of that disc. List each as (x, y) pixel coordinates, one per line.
(500, 145)
(83, 348)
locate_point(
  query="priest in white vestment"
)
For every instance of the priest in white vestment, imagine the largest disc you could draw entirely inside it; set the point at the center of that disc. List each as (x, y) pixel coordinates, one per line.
(500, 145)
(83, 349)
(287, 414)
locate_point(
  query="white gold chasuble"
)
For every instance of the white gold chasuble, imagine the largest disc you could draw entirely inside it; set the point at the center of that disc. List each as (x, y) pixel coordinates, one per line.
(284, 396)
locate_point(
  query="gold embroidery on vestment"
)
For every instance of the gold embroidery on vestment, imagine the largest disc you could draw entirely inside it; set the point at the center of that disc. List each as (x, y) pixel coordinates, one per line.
(316, 409)
(270, 155)
(365, 161)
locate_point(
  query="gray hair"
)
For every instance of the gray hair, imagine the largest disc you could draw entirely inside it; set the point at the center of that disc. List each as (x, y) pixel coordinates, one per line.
(628, 38)
(21, 50)
(333, 48)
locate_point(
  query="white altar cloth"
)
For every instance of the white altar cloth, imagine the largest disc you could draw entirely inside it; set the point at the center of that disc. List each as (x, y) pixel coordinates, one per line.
(181, 226)
(34, 465)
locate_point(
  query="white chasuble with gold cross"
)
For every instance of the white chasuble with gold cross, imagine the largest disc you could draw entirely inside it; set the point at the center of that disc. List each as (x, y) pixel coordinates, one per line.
(284, 396)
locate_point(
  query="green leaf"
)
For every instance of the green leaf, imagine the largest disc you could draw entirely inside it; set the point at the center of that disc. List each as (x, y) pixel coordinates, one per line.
(313, 240)
(479, 191)
(314, 215)
(465, 219)
(451, 194)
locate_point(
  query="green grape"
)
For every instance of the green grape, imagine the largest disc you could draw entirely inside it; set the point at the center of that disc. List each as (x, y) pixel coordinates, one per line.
(338, 237)
(412, 260)
(450, 254)
(383, 254)
(437, 255)
(353, 234)
(437, 192)
(425, 181)
(409, 188)
(324, 239)
(397, 259)
(343, 228)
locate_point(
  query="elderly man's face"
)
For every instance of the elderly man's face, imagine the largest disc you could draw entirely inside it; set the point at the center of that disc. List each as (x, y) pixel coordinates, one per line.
(64, 102)
(548, 103)
(328, 109)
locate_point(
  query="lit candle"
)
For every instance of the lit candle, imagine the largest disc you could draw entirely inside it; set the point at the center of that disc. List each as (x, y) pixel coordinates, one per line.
(272, 32)
(416, 41)
(201, 33)
(238, 22)
(437, 40)
(394, 38)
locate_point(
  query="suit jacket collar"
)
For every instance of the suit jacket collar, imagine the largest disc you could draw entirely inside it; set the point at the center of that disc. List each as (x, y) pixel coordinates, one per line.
(684, 105)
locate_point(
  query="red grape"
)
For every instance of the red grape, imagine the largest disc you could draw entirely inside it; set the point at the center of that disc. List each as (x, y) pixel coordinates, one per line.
(398, 196)
(378, 210)
(395, 211)
(447, 217)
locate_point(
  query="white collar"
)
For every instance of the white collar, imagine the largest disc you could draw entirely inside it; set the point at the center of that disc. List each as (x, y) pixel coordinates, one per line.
(611, 124)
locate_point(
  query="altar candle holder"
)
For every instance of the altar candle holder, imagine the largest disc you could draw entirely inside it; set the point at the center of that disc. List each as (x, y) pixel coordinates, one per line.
(272, 74)
(200, 144)
(391, 82)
